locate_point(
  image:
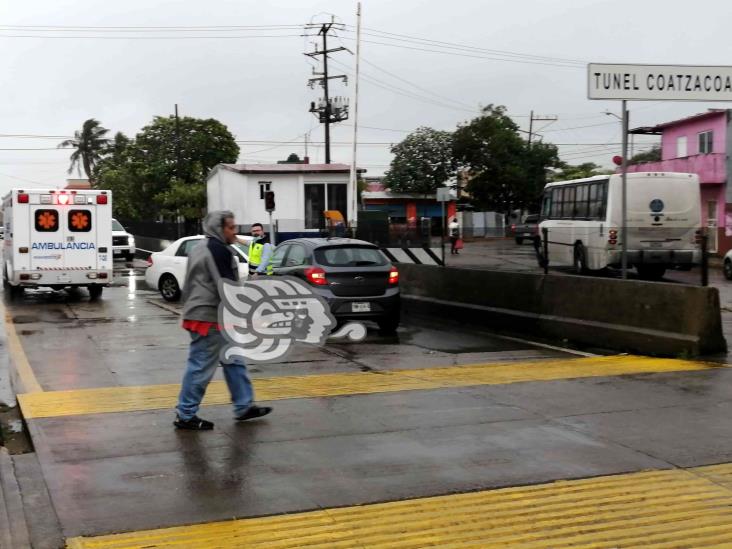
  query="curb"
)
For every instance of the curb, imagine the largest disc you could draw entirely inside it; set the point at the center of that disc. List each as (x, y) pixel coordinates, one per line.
(13, 528)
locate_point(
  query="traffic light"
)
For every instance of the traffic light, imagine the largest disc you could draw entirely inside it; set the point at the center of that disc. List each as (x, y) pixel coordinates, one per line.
(269, 201)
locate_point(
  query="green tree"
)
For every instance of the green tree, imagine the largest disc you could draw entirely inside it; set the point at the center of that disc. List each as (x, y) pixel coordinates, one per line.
(651, 155)
(163, 171)
(503, 172)
(422, 162)
(89, 144)
(567, 171)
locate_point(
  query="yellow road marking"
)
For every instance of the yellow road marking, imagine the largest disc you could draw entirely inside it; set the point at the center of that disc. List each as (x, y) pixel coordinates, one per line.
(18, 359)
(158, 397)
(673, 508)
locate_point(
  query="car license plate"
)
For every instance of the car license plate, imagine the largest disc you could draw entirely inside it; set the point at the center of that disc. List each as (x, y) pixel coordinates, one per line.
(656, 244)
(360, 307)
(117, 252)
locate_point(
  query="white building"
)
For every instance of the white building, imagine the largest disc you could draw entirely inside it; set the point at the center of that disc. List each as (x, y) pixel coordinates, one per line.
(302, 193)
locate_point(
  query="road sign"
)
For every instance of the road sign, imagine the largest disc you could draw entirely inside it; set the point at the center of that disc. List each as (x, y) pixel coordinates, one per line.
(443, 194)
(659, 82)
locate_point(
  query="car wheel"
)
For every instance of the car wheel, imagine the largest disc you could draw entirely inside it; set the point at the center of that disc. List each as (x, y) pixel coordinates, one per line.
(388, 325)
(651, 272)
(728, 269)
(169, 288)
(95, 292)
(519, 241)
(580, 259)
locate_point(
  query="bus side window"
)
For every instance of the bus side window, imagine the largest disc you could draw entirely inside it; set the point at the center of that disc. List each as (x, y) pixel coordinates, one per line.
(582, 197)
(556, 210)
(602, 198)
(595, 201)
(568, 209)
(546, 207)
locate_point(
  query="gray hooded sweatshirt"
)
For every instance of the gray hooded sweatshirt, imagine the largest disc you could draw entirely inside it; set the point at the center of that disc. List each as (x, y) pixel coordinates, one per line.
(208, 262)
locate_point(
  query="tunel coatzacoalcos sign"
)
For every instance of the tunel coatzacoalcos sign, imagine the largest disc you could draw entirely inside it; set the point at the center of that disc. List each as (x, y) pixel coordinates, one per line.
(659, 82)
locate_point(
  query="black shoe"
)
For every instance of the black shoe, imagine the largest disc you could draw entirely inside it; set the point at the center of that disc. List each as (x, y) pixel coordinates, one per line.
(254, 412)
(193, 424)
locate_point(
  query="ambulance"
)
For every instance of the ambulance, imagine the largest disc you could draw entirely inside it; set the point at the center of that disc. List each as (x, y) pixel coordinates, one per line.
(57, 239)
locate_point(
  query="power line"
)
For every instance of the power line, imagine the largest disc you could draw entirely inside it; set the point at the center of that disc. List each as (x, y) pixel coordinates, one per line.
(466, 47)
(150, 37)
(458, 54)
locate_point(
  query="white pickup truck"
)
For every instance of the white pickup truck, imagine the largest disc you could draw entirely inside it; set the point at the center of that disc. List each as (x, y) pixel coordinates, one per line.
(57, 239)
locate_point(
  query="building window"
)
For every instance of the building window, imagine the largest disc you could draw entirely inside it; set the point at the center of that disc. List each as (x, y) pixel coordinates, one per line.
(705, 142)
(681, 149)
(264, 186)
(320, 197)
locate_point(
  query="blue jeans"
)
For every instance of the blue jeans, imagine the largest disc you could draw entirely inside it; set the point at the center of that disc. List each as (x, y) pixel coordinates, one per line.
(203, 359)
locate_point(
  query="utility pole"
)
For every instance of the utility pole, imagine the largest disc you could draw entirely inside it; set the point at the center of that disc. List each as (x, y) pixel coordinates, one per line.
(327, 110)
(353, 187)
(538, 119)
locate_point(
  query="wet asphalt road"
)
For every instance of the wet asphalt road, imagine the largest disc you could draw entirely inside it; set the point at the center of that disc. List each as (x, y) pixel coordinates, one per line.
(129, 470)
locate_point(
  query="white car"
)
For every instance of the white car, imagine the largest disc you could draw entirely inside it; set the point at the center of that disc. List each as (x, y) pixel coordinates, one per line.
(123, 243)
(166, 270)
(727, 265)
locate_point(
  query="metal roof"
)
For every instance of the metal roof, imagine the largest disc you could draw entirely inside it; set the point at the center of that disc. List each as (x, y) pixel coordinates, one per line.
(658, 128)
(285, 168)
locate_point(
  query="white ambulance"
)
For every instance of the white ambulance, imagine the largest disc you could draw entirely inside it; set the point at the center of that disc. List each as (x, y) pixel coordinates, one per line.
(57, 239)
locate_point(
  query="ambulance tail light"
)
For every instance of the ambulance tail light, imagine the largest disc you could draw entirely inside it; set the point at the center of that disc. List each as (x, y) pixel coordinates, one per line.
(23, 198)
(102, 275)
(63, 199)
(101, 199)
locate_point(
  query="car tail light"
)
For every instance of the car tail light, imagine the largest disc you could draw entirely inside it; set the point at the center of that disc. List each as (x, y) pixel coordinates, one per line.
(393, 275)
(316, 275)
(149, 261)
(101, 199)
(612, 237)
(23, 198)
(513, 228)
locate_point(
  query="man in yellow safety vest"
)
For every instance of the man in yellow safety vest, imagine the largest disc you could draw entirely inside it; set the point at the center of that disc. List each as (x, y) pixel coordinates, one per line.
(260, 250)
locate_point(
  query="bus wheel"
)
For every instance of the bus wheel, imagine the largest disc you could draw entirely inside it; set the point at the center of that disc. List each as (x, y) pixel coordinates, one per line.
(95, 292)
(651, 272)
(580, 259)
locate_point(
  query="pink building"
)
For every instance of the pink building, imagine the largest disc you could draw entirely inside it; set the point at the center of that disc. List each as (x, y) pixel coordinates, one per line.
(700, 144)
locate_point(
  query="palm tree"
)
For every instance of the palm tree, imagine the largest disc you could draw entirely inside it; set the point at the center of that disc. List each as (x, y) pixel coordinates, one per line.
(89, 144)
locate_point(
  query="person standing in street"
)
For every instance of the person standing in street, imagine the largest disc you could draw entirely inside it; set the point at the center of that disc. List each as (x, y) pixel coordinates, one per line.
(260, 250)
(454, 231)
(208, 262)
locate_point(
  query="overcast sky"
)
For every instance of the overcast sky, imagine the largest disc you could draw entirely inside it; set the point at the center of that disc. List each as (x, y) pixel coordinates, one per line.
(253, 78)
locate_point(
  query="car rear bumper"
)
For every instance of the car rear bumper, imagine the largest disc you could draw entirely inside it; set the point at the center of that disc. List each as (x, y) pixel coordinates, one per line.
(119, 251)
(342, 308)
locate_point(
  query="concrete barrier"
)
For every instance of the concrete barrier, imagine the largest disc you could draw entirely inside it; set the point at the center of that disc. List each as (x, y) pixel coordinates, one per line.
(629, 316)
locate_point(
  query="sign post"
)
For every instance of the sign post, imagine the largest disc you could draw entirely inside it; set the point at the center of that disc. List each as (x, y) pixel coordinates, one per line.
(626, 82)
(443, 195)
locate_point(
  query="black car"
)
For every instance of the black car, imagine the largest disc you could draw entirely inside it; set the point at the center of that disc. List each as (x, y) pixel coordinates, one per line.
(355, 277)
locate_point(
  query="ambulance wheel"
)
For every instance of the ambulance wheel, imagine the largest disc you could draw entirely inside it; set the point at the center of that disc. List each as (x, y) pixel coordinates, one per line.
(95, 292)
(169, 288)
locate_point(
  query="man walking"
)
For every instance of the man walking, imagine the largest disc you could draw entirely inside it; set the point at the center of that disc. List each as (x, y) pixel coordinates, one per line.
(260, 249)
(209, 262)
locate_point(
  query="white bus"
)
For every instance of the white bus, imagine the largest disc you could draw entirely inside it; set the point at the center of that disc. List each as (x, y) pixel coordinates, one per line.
(584, 220)
(57, 238)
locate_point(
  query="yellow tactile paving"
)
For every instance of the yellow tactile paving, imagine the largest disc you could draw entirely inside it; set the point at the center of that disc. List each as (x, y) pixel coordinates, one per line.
(158, 397)
(674, 508)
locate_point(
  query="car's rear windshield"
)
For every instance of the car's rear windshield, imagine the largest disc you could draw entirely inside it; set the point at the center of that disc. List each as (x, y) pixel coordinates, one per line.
(117, 226)
(350, 256)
